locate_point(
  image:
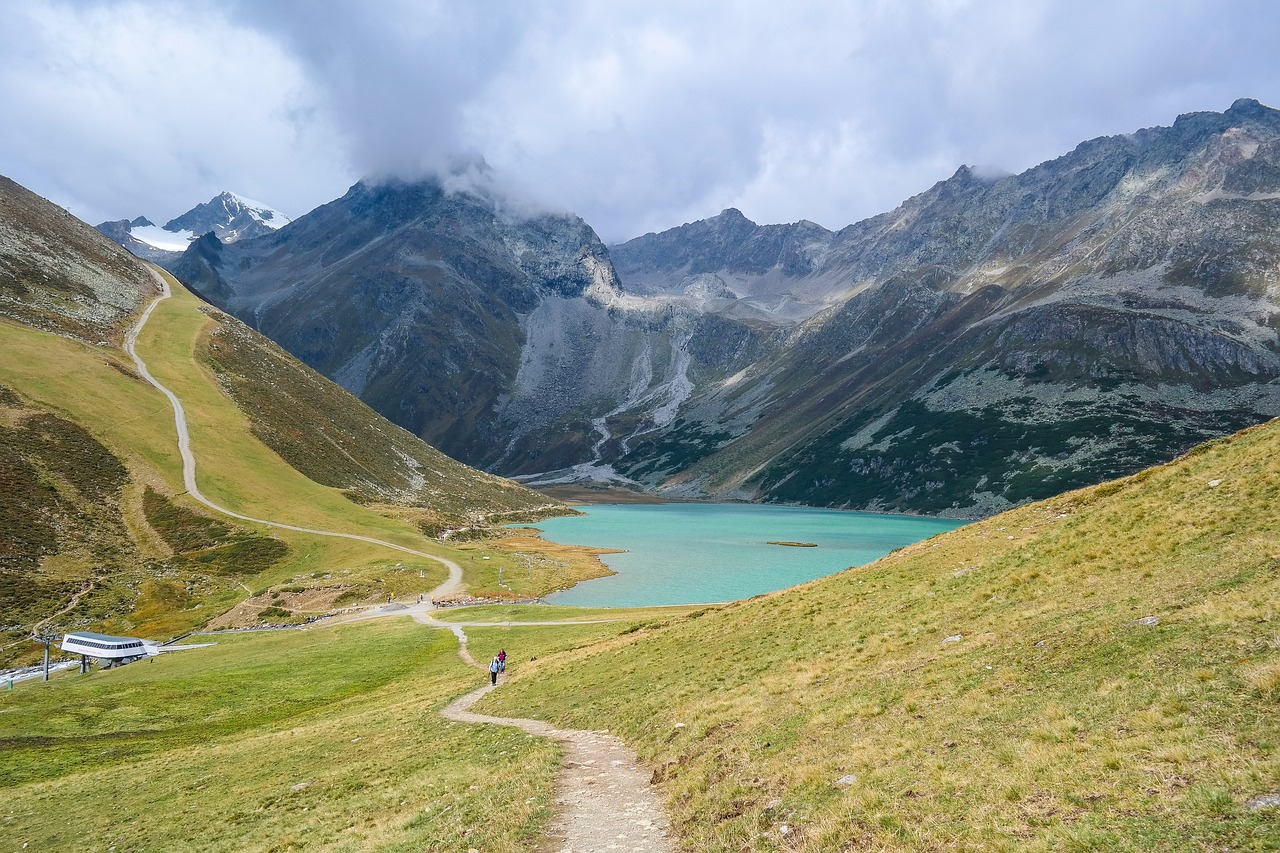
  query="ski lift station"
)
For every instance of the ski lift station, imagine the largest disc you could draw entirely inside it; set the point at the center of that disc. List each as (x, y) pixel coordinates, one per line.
(109, 651)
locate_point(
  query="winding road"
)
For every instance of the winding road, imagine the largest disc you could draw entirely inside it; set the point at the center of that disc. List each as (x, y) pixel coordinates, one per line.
(451, 586)
(604, 797)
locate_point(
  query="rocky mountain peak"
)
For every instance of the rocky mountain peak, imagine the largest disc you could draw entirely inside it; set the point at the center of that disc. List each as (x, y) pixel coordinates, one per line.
(1251, 108)
(232, 217)
(553, 252)
(731, 216)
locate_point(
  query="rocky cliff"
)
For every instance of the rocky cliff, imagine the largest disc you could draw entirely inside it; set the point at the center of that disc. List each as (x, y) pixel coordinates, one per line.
(497, 335)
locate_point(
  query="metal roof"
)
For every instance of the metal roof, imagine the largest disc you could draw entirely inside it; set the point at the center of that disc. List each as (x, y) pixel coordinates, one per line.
(102, 638)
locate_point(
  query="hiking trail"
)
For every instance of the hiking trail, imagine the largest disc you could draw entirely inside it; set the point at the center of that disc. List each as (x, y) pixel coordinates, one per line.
(604, 799)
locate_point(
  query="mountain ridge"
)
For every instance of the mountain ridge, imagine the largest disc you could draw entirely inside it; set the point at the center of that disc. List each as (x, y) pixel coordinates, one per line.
(948, 240)
(991, 340)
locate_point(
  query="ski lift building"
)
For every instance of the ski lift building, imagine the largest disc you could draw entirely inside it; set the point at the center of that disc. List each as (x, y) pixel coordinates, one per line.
(111, 651)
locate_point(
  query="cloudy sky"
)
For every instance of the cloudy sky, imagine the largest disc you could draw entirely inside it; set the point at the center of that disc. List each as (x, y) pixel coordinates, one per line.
(636, 115)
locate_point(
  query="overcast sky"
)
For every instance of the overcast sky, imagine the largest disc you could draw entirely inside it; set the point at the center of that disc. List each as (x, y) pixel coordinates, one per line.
(638, 116)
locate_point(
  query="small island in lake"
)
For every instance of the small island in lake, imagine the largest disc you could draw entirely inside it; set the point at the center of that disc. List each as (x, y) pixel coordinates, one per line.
(796, 544)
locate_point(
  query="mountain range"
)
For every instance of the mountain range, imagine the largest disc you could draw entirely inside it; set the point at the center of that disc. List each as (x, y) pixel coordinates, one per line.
(227, 215)
(1095, 671)
(990, 341)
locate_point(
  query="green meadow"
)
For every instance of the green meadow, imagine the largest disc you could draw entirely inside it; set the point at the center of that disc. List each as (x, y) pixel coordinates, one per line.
(323, 739)
(1097, 672)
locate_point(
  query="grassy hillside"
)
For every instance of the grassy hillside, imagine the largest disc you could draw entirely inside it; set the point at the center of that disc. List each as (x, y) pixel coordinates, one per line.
(147, 559)
(1096, 672)
(1100, 671)
(130, 552)
(96, 529)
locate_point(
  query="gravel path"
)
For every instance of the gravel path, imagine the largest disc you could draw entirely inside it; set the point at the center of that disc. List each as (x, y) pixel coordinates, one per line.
(604, 799)
(603, 796)
(451, 586)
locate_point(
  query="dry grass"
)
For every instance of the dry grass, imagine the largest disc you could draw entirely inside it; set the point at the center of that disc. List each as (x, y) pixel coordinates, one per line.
(997, 687)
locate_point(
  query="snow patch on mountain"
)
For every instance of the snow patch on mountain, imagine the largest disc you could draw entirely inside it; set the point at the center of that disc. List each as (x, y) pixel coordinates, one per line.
(163, 239)
(228, 215)
(231, 217)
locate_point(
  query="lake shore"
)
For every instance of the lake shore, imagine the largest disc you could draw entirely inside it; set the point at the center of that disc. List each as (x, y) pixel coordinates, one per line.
(588, 493)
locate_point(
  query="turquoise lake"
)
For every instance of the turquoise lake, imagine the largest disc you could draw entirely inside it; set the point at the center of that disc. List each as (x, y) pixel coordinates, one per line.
(705, 553)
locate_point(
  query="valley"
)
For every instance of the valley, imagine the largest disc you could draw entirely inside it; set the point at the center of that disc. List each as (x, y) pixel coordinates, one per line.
(1090, 671)
(102, 514)
(1082, 359)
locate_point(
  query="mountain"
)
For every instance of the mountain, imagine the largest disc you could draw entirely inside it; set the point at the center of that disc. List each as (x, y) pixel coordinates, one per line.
(59, 276)
(96, 528)
(774, 272)
(988, 342)
(227, 216)
(1001, 340)
(491, 333)
(230, 217)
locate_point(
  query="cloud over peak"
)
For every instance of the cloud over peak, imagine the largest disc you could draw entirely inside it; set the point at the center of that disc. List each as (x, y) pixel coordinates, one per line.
(635, 115)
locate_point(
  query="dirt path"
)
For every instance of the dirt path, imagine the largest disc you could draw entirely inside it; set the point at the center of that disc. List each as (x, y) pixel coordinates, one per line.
(603, 796)
(452, 584)
(38, 628)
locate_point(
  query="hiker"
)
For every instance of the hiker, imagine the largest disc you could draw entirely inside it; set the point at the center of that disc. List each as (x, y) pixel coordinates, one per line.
(502, 660)
(494, 668)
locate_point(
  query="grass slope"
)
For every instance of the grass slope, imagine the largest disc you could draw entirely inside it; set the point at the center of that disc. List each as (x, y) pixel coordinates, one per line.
(1000, 687)
(270, 742)
(143, 585)
(997, 687)
(130, 553)
(328, 739)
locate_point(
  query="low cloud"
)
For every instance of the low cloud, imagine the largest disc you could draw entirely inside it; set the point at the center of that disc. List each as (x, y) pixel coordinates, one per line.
(636, 115)
(127, 109)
